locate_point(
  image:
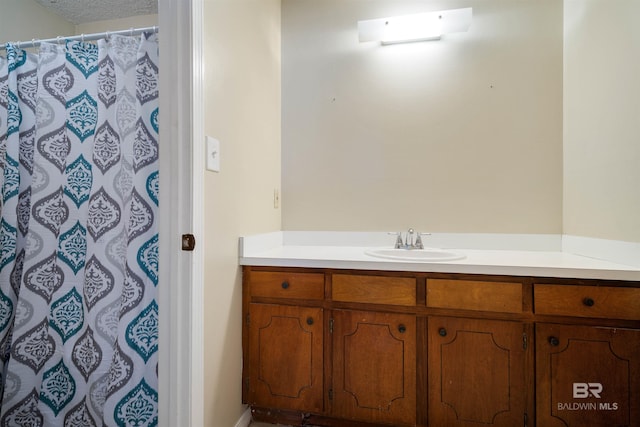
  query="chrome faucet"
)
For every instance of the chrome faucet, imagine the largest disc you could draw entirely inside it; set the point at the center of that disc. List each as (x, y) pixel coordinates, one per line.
(408, 242)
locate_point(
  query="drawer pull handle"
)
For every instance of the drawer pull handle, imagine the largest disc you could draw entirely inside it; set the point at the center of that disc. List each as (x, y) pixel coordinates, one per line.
(589, 302)
(285, 285)
(309, 321)
(554, 341)
(442, 332)
(402, 329)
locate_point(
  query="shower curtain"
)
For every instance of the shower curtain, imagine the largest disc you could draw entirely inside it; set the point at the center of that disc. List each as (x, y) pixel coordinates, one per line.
(78, 233)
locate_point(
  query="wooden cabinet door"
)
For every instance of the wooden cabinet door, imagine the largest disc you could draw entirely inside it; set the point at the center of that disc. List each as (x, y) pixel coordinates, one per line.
(477, 372)
(374, 367)
(587, 376)
(286, 357)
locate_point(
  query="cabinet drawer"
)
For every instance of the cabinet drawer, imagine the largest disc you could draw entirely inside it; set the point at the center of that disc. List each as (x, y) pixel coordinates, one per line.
(587, 301)
(504, 297)
(277, 284)
(374, 289)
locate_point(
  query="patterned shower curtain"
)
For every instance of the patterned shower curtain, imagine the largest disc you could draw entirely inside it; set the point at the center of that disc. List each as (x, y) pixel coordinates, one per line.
(78, 234)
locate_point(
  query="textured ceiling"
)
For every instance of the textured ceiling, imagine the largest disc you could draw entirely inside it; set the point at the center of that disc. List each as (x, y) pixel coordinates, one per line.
(83, 11)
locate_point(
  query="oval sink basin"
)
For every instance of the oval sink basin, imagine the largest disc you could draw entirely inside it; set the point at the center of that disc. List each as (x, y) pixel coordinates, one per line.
(423, 255)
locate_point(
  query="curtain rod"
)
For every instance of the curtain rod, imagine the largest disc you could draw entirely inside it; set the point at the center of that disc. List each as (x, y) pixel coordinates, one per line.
(83, 37)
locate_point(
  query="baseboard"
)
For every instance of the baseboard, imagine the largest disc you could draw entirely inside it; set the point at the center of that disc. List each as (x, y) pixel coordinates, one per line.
(245, 419)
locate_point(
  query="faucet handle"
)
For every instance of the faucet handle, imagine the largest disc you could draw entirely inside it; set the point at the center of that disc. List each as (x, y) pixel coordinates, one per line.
(419, 243)
(398, 235)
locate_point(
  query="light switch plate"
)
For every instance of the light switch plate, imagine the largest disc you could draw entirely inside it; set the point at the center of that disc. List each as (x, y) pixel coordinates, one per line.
(213, 154)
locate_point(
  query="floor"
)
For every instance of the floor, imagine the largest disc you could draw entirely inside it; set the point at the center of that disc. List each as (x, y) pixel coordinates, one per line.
(258, 424)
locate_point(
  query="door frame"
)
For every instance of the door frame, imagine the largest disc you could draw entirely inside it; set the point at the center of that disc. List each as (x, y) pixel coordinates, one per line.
(180, 285)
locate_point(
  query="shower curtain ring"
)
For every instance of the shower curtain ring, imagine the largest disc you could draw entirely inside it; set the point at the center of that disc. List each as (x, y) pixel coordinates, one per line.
(82, 38)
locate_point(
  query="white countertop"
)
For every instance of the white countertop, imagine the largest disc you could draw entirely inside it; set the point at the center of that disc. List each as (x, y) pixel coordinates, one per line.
(540, 256)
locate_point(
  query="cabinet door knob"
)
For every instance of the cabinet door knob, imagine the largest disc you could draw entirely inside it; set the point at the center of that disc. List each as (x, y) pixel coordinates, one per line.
(554, 341)
(402, 329)
(285, 285)
(442, 332)
(589, 302)
(309, 321)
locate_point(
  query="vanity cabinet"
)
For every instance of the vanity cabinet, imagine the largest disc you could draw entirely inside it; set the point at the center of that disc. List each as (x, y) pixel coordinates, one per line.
(374, 367)
(587, 376)
(374, 350)
(353, 348)
(478, 368)
(477, 372)
(285, 340)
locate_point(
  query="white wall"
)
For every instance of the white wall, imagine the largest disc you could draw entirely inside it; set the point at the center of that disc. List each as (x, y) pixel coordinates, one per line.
(242, 110)
(139, 21)
(602, 119)
(23, 20)
(458, 135)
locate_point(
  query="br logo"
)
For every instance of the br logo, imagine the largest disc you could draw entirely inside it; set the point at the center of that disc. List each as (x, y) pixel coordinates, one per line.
(585, 390)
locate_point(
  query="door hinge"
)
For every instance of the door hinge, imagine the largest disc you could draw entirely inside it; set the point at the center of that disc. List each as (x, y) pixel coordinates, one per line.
(525, 343)
(330, 394)
(247, 319)
(331, 325)
(526, 419)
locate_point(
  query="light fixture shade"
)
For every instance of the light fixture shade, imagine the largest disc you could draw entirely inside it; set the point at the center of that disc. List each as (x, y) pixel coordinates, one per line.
(416, 27)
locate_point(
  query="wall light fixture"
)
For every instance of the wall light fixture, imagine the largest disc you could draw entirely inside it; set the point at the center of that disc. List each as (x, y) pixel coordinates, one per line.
(416, 27)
